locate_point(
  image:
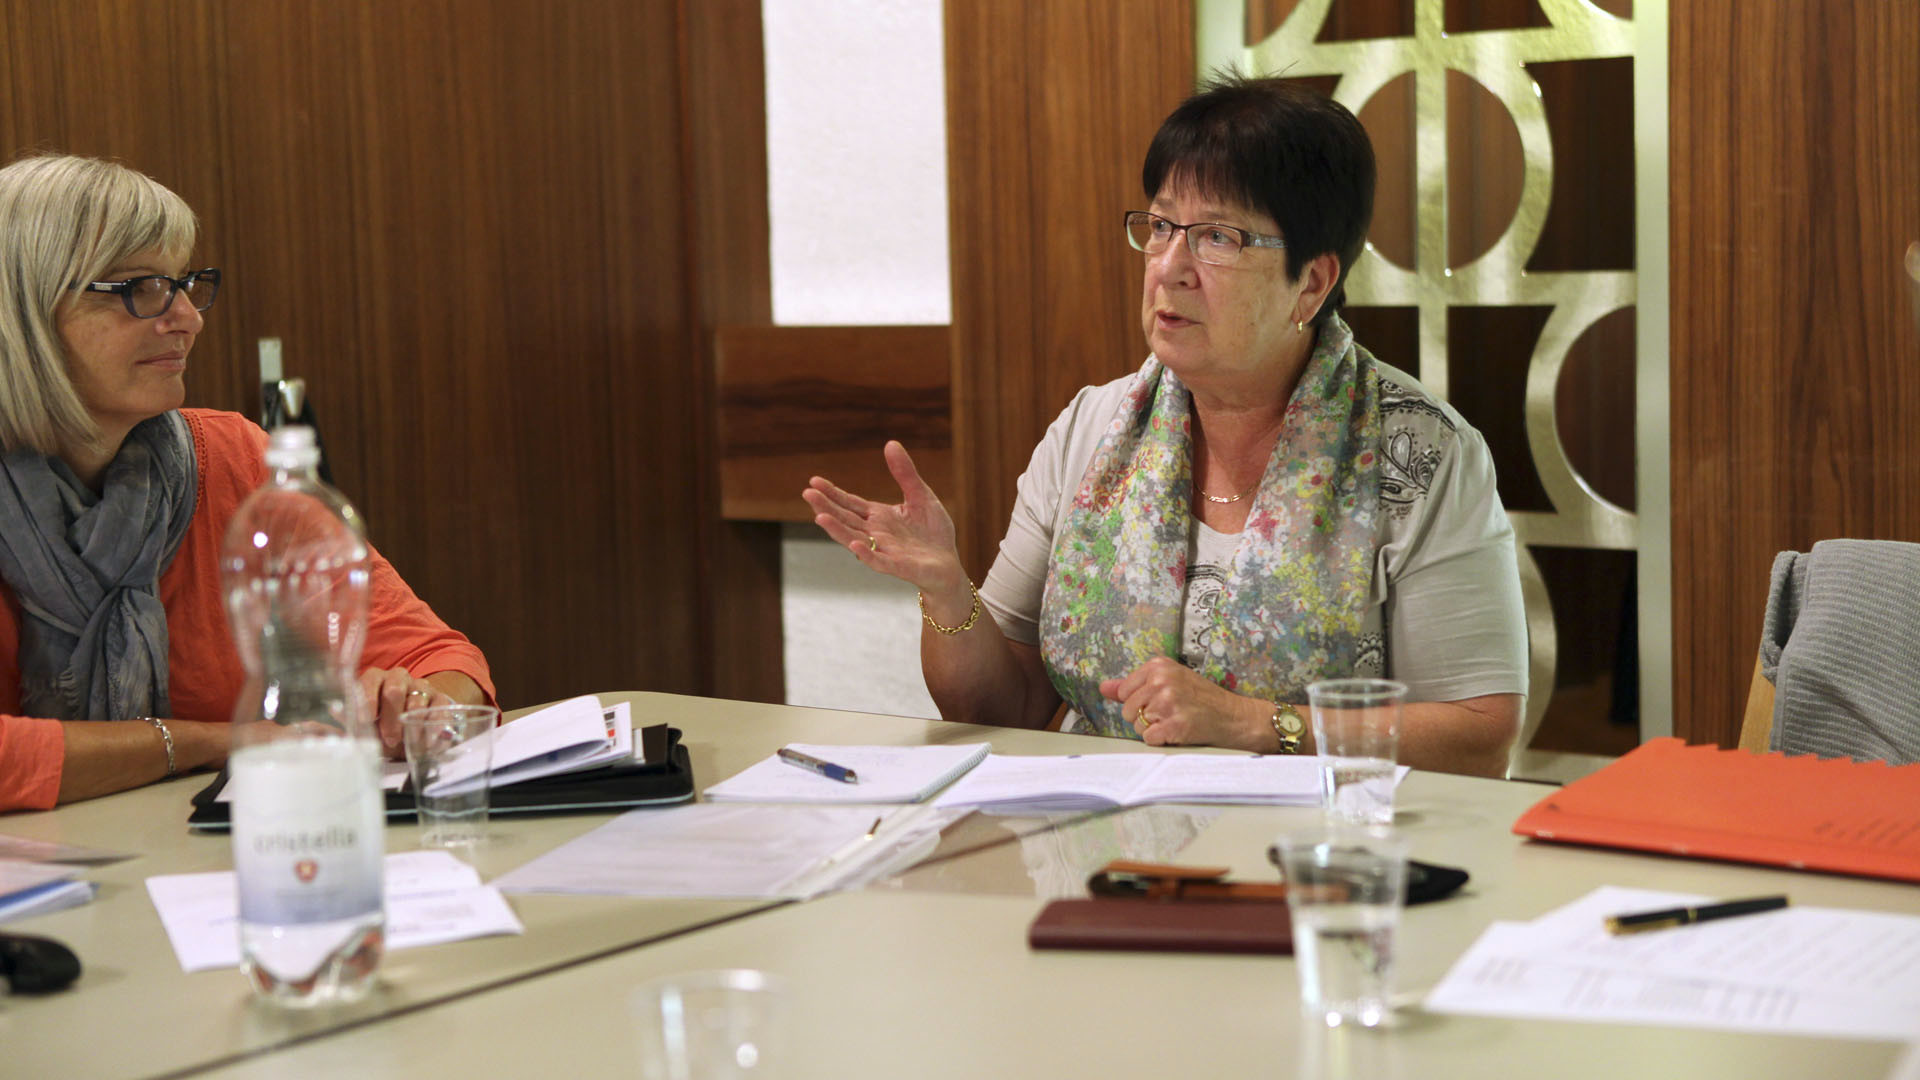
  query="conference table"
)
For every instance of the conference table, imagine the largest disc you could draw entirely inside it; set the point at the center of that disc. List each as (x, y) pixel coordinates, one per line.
(924, 974)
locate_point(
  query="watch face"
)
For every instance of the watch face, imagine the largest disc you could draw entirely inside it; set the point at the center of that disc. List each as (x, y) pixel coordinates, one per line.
(1291, 723)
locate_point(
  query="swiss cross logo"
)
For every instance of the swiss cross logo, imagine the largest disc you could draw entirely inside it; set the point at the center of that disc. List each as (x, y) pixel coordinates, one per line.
(306, 870)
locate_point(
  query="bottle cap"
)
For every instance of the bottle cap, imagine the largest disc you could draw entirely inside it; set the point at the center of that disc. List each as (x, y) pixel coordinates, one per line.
(291, 447)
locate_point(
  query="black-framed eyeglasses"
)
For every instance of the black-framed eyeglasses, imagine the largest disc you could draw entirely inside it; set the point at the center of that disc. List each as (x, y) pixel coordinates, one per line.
(1210, 241)
(150, 296)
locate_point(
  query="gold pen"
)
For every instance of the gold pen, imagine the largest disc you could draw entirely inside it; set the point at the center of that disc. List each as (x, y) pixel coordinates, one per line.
(1681, 916)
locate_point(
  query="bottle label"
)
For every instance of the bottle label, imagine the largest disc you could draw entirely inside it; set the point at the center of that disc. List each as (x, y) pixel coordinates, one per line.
(308, 830)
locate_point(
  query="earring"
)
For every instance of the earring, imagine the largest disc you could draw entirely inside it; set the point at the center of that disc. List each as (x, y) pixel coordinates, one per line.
(1299, 326)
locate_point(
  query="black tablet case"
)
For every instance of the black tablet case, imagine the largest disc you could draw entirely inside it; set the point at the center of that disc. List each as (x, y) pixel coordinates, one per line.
(667, 777)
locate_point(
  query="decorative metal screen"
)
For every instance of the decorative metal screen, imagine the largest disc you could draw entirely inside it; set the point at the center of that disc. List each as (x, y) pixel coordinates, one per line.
(1579, 516)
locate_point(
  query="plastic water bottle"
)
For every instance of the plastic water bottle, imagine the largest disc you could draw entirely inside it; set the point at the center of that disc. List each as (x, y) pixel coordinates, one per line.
(305, 768)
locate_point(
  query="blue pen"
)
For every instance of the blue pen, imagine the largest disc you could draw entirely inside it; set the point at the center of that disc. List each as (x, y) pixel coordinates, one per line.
(814, 765)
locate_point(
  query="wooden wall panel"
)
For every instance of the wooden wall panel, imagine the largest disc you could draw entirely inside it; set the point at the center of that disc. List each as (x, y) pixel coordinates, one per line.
(473, 259)
(1049, 111)
(467, 221)
(1795, 189)
(800, 401)
(142, 84)
(729, 262)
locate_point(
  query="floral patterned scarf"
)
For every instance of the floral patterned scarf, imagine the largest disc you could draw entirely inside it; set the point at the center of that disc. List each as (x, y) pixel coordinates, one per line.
(1297, 589)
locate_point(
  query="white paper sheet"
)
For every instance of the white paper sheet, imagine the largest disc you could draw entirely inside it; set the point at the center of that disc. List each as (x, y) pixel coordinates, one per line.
(51, 889)
(567, 737)
(887, 774)
(1004, 784)
(1804, 970)
(16, 875)
(22, 849)
(431, 898)
(731, 851)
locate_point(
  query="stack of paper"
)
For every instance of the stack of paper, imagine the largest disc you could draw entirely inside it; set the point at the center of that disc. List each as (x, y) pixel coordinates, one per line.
(736, 851)
(35, 888)
(887, 774)
(1799, 970)
(1101, 781)
(431, 897)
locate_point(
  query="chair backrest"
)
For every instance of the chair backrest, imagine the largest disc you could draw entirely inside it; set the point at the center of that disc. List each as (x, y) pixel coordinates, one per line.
(1841, 646)
(1756, 727)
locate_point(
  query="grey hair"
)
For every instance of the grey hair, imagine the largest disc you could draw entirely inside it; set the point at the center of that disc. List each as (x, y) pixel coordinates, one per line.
(66, 220)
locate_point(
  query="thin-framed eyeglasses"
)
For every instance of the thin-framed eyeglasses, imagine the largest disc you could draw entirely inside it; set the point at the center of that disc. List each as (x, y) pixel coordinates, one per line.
(1210, 241)
(149, 296)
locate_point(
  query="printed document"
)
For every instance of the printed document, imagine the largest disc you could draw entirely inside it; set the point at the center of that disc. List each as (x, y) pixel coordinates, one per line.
(736, 851)
(1800, 970)
(431, 898)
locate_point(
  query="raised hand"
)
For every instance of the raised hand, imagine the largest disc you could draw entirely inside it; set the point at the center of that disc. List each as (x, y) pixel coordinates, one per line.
(912, 540)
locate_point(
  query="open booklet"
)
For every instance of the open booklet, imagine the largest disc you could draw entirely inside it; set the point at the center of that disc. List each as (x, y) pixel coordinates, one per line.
(886, 774)
(1100, 781)
(572, 736)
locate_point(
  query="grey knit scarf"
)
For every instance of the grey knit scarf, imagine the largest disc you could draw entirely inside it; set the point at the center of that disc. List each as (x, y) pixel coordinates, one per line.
(86, 571)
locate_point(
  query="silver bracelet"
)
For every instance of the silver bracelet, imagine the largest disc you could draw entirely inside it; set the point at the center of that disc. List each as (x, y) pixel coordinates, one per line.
(167, 737)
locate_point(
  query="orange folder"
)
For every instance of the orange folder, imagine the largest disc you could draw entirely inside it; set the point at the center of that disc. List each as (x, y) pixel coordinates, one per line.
(1831, 814)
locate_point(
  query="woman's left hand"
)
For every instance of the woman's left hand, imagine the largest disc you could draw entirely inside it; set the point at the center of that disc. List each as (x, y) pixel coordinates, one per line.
(390, 692)
(1170, 704)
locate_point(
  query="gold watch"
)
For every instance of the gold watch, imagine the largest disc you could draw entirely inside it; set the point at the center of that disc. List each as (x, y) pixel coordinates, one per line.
(1288, 726)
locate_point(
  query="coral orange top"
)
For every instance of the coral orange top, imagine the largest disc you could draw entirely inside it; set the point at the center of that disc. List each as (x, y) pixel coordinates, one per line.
(204, 672)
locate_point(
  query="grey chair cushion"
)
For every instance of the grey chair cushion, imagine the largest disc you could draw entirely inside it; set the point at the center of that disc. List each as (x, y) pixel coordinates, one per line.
(1841, 645)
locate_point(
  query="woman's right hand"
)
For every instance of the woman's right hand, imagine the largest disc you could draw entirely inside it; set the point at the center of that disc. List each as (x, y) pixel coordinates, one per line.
(912, 540)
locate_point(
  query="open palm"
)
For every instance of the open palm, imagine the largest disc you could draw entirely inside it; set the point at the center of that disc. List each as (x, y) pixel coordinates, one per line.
(912, 540)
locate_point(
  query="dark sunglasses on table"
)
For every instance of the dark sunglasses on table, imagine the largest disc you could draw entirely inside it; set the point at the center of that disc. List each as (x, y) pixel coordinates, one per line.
(150, 296)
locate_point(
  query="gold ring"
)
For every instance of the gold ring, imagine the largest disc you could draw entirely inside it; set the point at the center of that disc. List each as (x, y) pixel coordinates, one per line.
(1146, 719)
(872, 544)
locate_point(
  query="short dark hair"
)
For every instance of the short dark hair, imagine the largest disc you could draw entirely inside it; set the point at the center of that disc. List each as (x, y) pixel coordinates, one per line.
(1278, 147)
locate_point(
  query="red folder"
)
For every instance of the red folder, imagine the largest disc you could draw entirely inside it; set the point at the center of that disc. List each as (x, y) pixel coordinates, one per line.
(1831, 814)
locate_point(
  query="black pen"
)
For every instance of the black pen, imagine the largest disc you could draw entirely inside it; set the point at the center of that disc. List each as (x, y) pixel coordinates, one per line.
(814, 765)
(1681, 916)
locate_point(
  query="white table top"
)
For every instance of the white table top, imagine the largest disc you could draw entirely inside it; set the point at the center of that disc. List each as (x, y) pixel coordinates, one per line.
(927, 975)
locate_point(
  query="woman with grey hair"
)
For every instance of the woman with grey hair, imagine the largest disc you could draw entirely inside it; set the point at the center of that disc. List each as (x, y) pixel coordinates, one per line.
(116, 665)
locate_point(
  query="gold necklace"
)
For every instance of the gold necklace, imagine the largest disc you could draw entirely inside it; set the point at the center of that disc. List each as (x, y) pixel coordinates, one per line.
(1225, 499)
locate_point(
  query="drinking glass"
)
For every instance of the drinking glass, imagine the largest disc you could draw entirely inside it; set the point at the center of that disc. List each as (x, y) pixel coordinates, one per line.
(450, 757)
(1346, 886)
(1356, 729)
(711, 1025)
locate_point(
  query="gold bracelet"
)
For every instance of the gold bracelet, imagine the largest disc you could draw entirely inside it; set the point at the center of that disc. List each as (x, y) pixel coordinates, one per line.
(972, 616)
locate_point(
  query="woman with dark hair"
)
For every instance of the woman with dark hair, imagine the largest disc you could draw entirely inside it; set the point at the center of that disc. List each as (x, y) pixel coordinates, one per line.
(1262, 505)
(116, 665)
